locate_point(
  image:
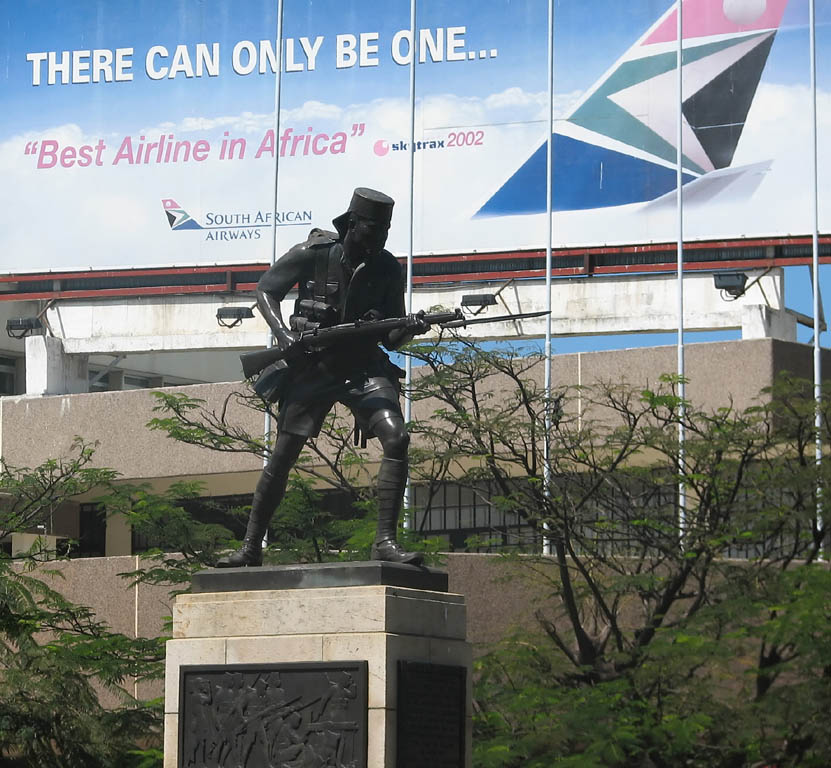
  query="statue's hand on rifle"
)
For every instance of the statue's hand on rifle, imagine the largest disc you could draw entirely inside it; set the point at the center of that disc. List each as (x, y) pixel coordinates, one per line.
(416, 324)
(296, 351)
(269, 307)
(284, 337)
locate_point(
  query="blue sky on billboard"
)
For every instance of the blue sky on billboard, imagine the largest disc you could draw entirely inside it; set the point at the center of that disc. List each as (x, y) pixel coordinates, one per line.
(585, 48)
(135, 26)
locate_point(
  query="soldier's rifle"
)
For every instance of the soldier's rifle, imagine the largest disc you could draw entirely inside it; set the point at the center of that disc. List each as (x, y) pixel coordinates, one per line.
(320, 338)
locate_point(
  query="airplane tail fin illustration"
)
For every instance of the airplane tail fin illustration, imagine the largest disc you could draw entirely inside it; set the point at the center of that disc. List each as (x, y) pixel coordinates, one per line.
(726, 45)
(178, 217)
(627, 121)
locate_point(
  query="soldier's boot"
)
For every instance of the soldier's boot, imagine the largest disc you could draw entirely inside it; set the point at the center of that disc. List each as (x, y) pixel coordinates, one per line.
(251, 551)
(271, 487)
(392, 478)
(269, 492)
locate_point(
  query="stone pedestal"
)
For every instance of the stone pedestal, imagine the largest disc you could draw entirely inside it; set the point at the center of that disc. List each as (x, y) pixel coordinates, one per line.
(377, 613)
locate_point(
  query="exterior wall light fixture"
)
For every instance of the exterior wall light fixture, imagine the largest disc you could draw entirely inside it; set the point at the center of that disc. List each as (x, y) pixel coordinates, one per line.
(478, 301)
(18, 327)
(732, 283)
(230, 317)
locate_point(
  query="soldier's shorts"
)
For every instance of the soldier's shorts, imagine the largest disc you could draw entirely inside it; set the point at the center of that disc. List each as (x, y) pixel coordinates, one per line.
(371, 395)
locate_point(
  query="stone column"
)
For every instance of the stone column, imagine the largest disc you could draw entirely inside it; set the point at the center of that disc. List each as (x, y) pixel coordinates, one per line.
(242, 624)
(50, 371)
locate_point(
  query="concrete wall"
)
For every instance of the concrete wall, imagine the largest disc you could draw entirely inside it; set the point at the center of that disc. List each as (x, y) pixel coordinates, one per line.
(600, 304)
(50, 372)
(136, 334)
(495, 604)
(132, 610)
(500, 594)
(33, 429)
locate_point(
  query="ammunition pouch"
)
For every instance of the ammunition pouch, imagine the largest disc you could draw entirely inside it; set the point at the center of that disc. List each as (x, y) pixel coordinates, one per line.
(310, 314)
(319, 301)
(317, 311)
(273, 381)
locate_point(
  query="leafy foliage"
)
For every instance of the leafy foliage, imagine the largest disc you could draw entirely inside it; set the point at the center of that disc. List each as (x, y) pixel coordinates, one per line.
(178, 545)
(29, 495)
(305, 530)
(55, 656)
(657, 646)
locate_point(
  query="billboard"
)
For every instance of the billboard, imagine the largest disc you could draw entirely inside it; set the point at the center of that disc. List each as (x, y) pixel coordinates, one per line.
(144, 133)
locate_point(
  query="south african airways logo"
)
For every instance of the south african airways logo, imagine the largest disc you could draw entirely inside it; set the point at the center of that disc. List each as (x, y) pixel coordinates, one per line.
(235, 225)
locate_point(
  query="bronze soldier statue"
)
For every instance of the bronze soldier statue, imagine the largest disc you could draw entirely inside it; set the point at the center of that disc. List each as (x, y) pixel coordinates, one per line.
(341, 277)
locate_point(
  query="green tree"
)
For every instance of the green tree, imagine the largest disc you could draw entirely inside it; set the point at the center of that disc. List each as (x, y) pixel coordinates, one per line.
(55, 656)
(669, 635)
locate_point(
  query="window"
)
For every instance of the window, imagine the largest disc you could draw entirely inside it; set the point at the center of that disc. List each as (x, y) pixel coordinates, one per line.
(8, 368)
(136, 382)
(92, 531)
(98, 381)
(458, 513)
(216, 510)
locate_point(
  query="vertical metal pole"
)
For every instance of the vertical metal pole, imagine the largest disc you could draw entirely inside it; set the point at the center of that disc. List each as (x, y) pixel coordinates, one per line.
(815, 259)
(679, 180)
(135, 617)
(549, 205)
(277, 84)
(408, 362)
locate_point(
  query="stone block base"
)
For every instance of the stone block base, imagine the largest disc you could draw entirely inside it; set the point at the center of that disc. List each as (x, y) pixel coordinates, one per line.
(377, 624)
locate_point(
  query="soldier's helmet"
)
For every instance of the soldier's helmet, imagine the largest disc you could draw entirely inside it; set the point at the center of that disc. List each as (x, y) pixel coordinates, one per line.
(368, 203)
